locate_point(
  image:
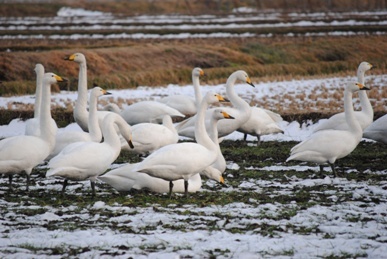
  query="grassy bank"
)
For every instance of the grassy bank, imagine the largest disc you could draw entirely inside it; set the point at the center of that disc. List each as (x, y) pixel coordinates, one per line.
(127, 64)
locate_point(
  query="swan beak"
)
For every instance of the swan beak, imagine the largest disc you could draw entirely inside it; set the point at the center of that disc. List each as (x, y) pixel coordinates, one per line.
(106, 92)
(227, 116)
(221, 98)
(372, 66)
(60, 79)
(221, 180)
(362, 87)
(248, 80)
(130, 143)
(70, 58)
(201, 73)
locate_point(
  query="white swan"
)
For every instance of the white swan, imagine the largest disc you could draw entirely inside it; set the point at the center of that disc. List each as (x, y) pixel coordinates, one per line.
(82, 161)
(184, 103)
(365, 116)
(327, 146)
(81, 113)
(217, 168)
(241, 110)
(183, 160)
(148, 137)
(126, 177)
(22, 153)
(261, 122)
(149, 112)
(32, 125)
(65, 138)
(377, 130)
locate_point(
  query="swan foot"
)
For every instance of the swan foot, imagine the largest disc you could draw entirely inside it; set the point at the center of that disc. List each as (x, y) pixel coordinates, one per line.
(64, 187)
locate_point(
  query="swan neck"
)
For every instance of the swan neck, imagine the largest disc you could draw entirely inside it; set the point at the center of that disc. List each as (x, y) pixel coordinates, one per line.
(110, 134)
(94, 128)
(82, 86)
(38, 94)
(364, 101)
(198, 93)
(45, 115)
(350, 118)
(201, 134)
(236, 101)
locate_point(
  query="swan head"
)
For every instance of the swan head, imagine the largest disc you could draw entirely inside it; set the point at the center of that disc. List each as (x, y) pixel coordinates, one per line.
(212, 98)
(244, 77)
(77, 57)
(52, 78)
(365, 66)
(197, 71)
(219, 114)
(98, 91)
(39, 68)
(354, 87)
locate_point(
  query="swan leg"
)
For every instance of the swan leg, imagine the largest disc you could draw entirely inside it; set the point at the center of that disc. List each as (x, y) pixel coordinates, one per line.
(258, 140)
(64, 187)
(321, 168)
(92, 188)
(333, 168)
(186, 188)
(28, 182)
(170, 188)
(10, 181)
(245, 137)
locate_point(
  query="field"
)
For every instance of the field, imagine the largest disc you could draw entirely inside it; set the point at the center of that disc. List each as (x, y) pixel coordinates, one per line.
(267, 207)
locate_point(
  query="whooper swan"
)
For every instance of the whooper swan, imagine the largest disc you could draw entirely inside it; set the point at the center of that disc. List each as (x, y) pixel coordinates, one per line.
(82, 161)
(65, 138)
(241, 110)
(184, 103)
(32, 125)
(364, 117)
(148, 137)
(20, 154)
(327, 146)
(183, 160)
(126, 177)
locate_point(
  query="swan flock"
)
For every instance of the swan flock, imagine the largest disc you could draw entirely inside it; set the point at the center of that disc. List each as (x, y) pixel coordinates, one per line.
(147, 128)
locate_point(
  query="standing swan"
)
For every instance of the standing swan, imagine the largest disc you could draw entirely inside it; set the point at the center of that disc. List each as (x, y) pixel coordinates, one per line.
(22, 153)
(65, 138)
(184, 103)
(364, 117)
(82, 161)
(32, 125)
(241, 110)
(327, 146)
(183, 160)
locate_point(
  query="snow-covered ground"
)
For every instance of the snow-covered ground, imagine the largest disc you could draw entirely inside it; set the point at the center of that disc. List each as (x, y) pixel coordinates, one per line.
(343, 218)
